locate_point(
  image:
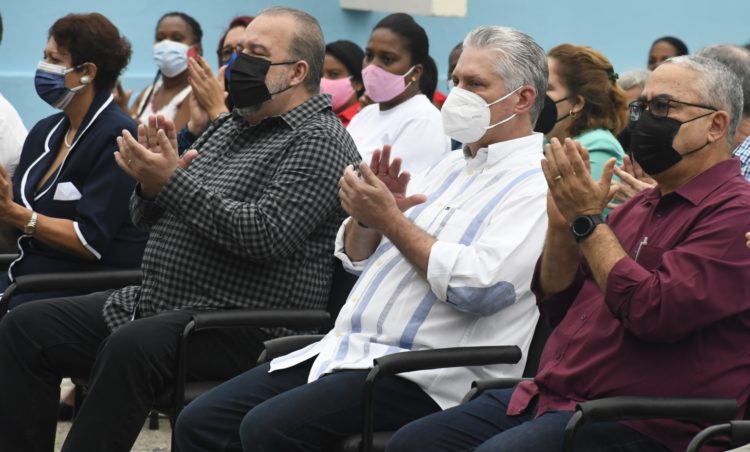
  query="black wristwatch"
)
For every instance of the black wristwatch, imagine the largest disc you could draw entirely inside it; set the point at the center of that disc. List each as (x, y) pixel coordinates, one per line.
(584, 225)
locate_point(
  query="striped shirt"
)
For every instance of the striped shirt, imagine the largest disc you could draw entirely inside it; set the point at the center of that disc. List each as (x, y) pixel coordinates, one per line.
(488, 214)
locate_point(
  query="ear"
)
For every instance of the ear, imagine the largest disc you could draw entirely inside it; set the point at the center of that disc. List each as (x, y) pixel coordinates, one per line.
(580, 102)
(299, 73)
(526, 97)
(89, 70)
(718, 127)
(416, 73)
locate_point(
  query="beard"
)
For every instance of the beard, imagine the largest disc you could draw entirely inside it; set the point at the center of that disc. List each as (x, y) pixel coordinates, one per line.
(275, 86)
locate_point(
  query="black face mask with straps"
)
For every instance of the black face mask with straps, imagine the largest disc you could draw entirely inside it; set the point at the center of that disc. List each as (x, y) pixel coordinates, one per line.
(651, 141)
(247, 81)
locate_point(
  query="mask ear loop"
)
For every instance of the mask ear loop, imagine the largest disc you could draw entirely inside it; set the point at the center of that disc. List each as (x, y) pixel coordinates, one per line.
(500, 100)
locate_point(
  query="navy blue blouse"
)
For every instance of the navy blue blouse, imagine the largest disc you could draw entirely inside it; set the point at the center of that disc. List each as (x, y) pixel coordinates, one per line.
(88, 188)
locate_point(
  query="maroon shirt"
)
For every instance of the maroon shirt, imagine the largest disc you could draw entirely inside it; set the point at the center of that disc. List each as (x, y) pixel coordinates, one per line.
(676, 317)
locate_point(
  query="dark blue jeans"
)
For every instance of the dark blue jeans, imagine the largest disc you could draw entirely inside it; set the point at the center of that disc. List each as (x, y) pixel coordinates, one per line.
(280, 411)
(482, 426)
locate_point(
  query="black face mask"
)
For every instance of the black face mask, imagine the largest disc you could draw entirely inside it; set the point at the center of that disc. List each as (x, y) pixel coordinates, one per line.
(547, 117)
(247, 81)
(651, 142)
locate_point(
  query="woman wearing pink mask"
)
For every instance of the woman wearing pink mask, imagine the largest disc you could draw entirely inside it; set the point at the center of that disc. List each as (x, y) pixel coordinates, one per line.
(342, 78)
(401, 116)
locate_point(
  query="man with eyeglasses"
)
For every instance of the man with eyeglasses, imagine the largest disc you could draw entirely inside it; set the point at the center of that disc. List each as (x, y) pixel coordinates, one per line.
(653, 302)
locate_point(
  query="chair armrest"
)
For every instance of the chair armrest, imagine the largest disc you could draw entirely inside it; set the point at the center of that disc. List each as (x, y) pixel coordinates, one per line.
(446, 357)
(737, 431)
(93, 281)
(233, 318)
(479, 386)
(633, 408)
(424, 360)
(292, 318)
(281, 346)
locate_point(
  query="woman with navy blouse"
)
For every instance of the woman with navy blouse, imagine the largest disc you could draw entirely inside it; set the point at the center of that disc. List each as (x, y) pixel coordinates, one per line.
(68, 197)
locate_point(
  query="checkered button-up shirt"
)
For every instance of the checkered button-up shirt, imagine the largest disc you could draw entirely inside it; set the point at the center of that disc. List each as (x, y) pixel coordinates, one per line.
(251, 223)
(743, 153)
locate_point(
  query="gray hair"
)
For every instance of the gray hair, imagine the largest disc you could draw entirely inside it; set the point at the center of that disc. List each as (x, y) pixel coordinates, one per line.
(717, 86)
(633, 79)
(737, 59)
(520, 60)
(307, 43)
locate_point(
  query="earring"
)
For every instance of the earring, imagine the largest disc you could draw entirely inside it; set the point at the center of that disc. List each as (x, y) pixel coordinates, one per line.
(572, 114)
(85, 80)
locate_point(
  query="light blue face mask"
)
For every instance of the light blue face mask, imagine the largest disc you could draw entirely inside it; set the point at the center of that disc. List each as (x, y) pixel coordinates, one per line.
(49, 82)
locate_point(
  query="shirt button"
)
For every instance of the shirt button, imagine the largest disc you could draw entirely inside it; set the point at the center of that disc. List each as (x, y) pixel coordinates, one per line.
(338, 333)
(440, 204)
(558, 356)
(583, 316)
(469, 172)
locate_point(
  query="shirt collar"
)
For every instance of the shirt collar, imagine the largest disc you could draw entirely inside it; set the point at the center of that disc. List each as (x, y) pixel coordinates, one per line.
(702, 185)
(297, 115)
(496, 153)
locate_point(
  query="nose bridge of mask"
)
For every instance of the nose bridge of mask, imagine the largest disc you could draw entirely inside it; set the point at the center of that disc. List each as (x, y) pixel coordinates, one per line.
(55, 68)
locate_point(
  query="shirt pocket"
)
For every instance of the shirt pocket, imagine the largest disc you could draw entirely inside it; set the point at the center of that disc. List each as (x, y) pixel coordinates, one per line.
(649, 257)
(66, 191)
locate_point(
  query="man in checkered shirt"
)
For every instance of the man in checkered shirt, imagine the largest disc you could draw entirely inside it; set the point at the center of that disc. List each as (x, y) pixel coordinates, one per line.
(249, 220)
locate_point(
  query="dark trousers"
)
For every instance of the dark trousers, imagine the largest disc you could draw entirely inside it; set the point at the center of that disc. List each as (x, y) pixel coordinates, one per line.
(280, 411)
(44, 341)
(481, 425)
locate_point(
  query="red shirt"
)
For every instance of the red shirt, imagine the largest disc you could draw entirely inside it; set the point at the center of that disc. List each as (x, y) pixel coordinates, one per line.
(348, 113)
(676, 317)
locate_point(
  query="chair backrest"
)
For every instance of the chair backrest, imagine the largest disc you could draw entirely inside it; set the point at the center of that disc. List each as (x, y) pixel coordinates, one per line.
(541, 333)
(341, 284)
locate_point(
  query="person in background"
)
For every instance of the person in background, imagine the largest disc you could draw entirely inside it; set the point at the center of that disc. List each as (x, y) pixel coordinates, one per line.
(664, 48)
(209, 97)
(178, 37)
(737, 59)
(342, 78)
(68, 199)
(632, 83)
(402, 117)
(452, 61)
(230, 43)
(430, 83)
(12, 131)
(591, 107)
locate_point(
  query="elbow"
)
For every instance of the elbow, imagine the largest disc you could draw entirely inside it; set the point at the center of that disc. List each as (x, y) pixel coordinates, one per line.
(482, 301)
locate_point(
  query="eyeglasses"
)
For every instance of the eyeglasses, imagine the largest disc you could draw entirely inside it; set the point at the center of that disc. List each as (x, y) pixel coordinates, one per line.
(226, 52)
(659, 107)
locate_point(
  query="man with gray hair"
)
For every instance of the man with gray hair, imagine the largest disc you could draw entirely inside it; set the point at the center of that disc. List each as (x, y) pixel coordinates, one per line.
(652, 302)
(444, 264)
(247, 219)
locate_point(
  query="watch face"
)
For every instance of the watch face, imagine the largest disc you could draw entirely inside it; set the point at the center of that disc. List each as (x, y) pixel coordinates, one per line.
(582, 225)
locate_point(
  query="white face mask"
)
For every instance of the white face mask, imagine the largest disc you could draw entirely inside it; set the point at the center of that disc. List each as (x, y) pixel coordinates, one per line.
(466, 116)
(171, 57)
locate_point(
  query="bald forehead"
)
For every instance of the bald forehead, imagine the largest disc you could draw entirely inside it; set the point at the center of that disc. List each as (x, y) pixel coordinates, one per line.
(675, 81)
(270, 35)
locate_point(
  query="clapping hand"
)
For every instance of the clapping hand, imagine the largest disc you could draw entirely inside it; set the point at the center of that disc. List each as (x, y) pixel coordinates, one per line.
(152, 157)
(381, 192)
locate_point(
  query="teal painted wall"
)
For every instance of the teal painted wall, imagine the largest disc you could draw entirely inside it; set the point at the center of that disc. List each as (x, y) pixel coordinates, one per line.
(621, 30)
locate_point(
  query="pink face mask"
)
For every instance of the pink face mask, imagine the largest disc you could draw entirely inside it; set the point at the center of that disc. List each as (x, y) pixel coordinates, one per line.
(341, 89)
(381, 85)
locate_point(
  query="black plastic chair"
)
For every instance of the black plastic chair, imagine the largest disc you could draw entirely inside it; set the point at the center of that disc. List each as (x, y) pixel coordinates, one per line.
(737, 432)
(416, 360)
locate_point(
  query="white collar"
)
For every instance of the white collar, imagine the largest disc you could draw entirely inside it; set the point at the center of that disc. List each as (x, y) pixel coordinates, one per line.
(525, 148)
